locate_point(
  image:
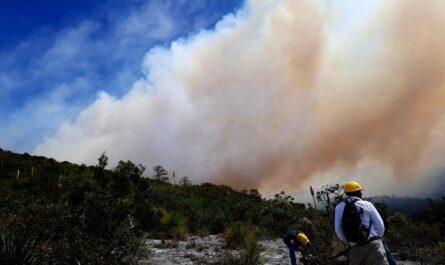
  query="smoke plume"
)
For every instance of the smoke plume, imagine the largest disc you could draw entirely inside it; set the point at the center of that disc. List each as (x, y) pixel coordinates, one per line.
(278, 95)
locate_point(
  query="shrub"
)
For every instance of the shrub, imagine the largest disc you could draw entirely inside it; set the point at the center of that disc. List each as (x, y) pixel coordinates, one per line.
(242, 237)
(175, 223)
(239, 234)
(432, 255)
(250, 253)
(51, 234)
(17, 249)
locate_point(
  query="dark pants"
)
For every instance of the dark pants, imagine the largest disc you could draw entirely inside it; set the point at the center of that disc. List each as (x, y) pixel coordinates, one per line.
(389, 256)
(292, 248)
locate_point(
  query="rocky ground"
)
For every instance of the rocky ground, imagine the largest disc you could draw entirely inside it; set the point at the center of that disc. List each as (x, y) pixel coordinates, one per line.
(206, 250)
(210, 250)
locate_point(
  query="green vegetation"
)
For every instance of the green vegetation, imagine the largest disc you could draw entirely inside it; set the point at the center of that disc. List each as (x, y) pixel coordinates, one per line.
(243, 237)
(251, 254)
(239, 234)
(175, 224)
(420, 237)
(62, 213)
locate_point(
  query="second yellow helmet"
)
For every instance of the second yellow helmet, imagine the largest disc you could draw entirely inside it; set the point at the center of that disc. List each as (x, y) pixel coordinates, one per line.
(302, 239)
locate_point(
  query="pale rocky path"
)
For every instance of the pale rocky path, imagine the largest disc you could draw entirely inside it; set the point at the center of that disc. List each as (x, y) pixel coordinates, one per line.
(210, 250)
(206, 250)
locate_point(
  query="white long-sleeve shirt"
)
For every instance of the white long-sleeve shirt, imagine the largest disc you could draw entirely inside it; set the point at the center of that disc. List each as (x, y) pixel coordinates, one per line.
(369, 213)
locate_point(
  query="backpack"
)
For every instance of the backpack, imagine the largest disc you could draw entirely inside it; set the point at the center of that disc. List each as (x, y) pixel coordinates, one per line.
(353, 229)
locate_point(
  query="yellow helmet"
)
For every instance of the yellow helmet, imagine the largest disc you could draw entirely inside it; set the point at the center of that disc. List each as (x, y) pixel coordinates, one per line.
(352, 186)
(302, 239)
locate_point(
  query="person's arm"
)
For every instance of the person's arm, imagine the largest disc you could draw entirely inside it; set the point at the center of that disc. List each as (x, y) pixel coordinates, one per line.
(338, 227)
(377, 221)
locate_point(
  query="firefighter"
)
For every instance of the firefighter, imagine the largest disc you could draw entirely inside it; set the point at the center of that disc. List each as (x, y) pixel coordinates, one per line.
(294, 239)
(358, 223)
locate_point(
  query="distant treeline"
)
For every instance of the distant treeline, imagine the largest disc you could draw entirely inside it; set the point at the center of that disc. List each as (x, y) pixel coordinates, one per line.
(408, 205)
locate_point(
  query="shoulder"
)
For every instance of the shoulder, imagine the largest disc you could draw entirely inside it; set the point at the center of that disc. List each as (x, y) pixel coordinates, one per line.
(340, 206)
(365, 205)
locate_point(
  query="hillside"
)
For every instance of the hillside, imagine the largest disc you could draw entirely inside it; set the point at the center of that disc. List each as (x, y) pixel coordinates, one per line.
(408, 205)
(61, 213)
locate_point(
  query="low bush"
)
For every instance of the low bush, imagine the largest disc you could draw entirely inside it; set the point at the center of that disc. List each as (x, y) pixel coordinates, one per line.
(175, 225)
(239, 234)
(250, 253)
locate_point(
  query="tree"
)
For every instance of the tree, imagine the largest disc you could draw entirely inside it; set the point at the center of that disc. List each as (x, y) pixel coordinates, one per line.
(254, 193)
(160, 173)
(330, 195)
(283, 197)
(100, 168)
(129, 170)
(124, 177)
(103, 161)
(185, 181)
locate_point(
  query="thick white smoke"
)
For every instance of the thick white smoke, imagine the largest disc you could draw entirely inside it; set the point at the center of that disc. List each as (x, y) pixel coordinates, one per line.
(281, 95)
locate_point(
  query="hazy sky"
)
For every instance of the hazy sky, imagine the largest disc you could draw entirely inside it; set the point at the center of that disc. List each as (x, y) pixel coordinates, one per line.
(275, 95)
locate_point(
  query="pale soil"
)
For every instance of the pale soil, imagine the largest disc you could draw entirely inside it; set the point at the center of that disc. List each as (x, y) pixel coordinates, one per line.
(210, 250)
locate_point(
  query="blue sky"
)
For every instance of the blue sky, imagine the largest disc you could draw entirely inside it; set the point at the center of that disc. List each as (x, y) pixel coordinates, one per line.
(55, 56)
